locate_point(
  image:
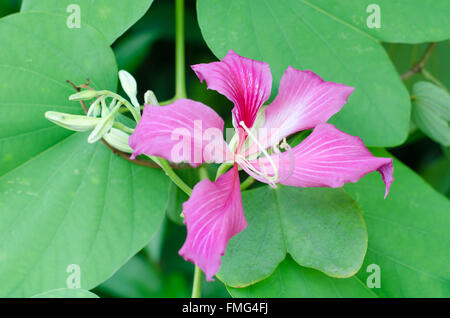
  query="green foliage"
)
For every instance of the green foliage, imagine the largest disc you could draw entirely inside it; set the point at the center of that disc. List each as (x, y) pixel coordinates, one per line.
(408, 240)
(75, 204)
(63, 201)
(111, 18)
(320, 228)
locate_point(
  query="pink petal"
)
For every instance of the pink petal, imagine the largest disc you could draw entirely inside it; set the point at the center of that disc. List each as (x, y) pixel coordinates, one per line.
(182, 131)
(245, 82)
(304, 101)
(328, 158)
(213, 214)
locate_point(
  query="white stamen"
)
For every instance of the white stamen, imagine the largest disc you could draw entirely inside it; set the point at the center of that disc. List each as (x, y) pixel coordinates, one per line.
(272, 179)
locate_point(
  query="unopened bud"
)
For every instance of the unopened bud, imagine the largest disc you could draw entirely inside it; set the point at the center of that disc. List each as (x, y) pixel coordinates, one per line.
(118, 139)
(84, 95)
(150, 99)
(129, 86)
(94, 109)
(72, 122)
(102, 127)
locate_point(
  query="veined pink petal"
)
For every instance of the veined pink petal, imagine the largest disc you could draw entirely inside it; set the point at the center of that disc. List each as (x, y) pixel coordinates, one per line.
(182, 131)
(245, 82)
(304, 101)
(213, 214)
(328, 158)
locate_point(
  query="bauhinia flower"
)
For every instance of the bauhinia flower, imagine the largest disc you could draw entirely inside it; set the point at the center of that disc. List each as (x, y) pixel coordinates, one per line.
(328, 157)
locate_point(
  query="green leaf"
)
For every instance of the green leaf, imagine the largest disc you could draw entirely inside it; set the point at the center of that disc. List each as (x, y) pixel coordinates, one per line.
(74, 204)
(63, 201)
(33, 74)
(431, 111)
(111, 18)
(319, 228)
(408, 240)
(297, 33)
(292, 281)
(66, 293)
(413, 22)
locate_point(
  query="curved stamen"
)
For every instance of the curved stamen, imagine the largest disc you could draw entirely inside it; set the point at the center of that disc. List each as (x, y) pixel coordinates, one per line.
(249, 166)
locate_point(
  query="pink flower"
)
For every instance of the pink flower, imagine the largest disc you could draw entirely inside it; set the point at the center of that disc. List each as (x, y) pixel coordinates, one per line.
(328, 157)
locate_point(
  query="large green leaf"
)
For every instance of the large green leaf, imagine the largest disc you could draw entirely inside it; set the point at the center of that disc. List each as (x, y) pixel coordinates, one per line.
(63, 201)
(297, 33)
(74, 204)
(293, 280)
(431, 111)
(35, 62)
(319, 228)
(412, 21)
(66, 293)
(408, 240)
(111, 18)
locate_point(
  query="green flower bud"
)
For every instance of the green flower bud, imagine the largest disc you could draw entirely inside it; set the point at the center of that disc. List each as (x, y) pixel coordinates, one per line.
(94, 109)
(150, 99)
(118, 139)
(129, 86)
(104, 126)
(84, 95)
(72, 122)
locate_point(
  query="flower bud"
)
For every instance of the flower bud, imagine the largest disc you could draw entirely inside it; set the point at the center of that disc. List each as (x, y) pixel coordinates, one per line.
(118, 139)
(103, 127)
(150, 99)
(84, 95)
(129, 86)
(72, 122)
(94, 109)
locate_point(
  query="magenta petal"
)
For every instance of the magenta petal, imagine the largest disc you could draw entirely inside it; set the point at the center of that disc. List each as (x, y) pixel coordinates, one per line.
(213, 214)
(304, 101)
(329, 158)
(245, 82)
(182, 131)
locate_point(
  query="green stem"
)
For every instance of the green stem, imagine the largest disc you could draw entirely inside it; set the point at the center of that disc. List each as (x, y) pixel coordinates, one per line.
(433, 79)
(197, 286)
(180, 82)
(171, 174)
(247, 182)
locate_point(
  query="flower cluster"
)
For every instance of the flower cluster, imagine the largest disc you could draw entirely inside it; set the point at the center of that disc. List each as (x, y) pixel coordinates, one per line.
(328, 157)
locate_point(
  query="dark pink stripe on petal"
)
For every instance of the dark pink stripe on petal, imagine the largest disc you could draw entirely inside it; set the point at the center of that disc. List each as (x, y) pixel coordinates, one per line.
(213, 214)
(328, 158)
(184, 131)
(245, 82)
(304, 101)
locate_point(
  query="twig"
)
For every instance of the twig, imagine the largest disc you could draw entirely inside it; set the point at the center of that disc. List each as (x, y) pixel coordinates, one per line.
(116, 151)
(420, 64)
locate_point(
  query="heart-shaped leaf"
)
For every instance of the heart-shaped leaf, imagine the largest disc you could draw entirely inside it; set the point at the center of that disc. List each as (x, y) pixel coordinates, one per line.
(408, 245)
(111, 18)
(319, 228)
(63, 201)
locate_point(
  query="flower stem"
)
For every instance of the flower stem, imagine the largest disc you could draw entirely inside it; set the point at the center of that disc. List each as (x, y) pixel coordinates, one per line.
(197, 286)
(180, 81)
(165, 166)
(247, 182)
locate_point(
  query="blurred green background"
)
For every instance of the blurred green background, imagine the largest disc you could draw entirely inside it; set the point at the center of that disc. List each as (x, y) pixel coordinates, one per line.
(147, 51)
